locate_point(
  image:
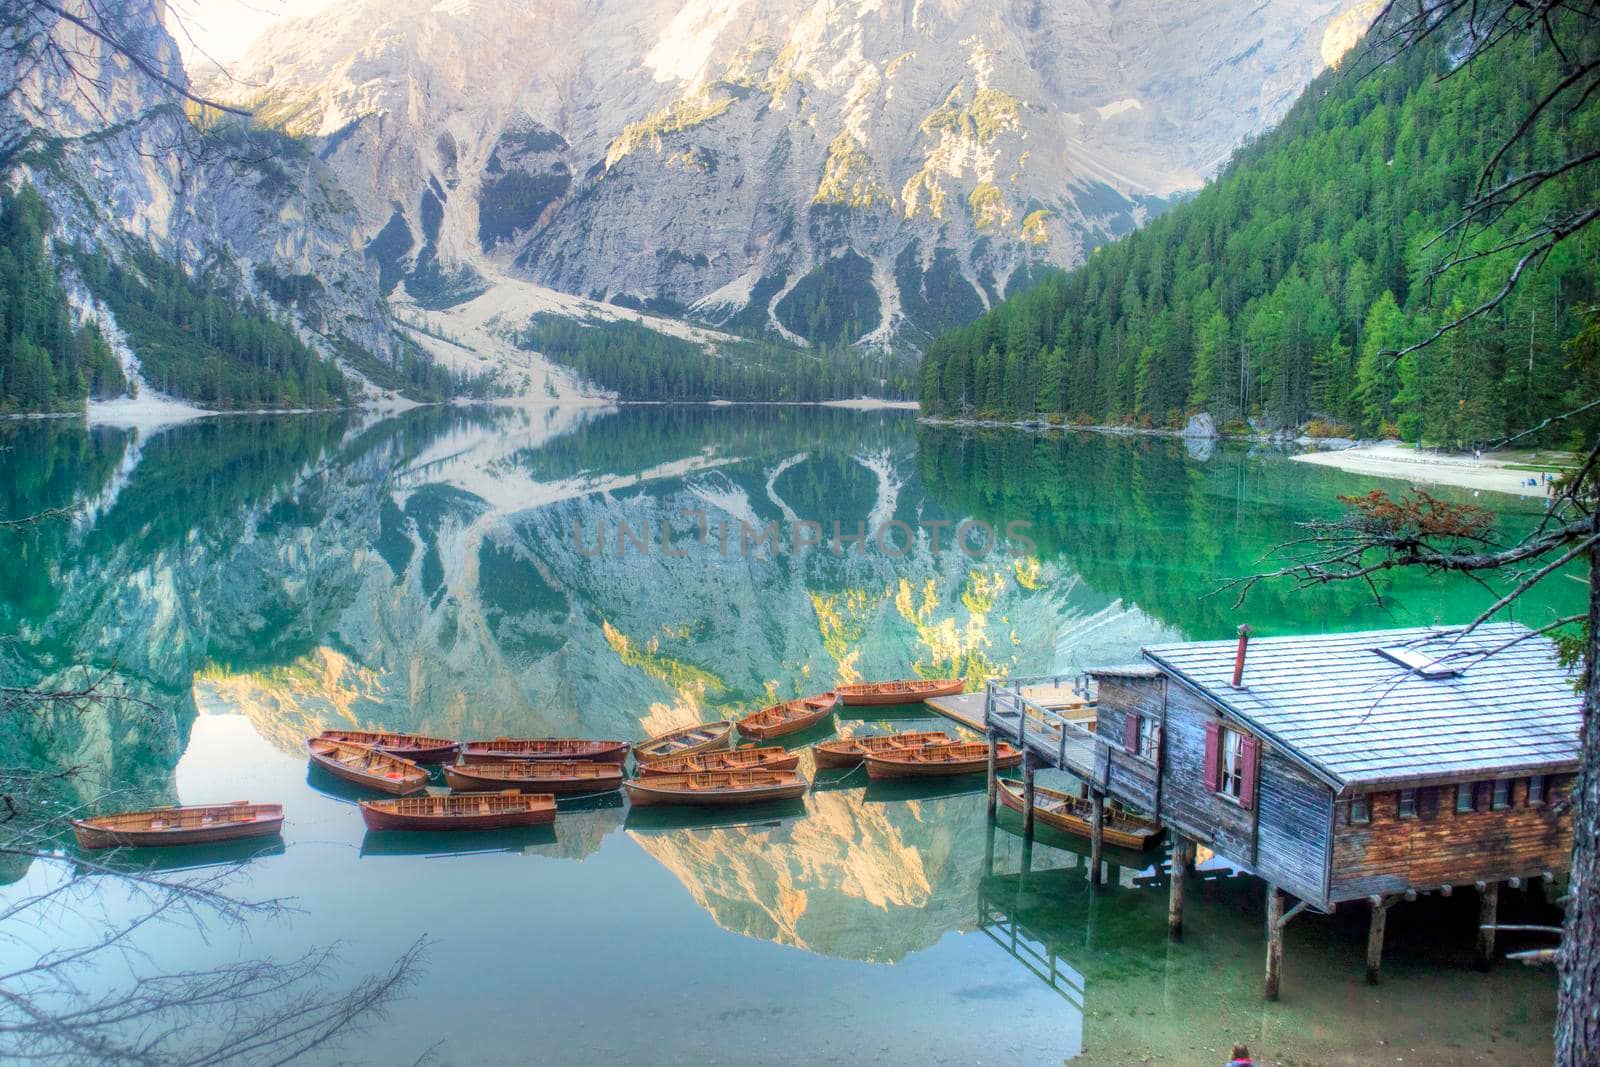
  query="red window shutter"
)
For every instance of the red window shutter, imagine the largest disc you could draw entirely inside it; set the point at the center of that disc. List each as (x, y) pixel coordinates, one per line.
(1248, 758)
(1130, 734)
(1212, 765)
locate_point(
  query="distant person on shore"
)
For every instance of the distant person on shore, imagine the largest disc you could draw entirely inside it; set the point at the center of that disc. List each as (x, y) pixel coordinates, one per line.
(1241, 1057)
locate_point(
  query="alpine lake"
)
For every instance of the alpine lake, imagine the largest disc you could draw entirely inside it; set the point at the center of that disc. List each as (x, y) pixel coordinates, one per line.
(474, 572)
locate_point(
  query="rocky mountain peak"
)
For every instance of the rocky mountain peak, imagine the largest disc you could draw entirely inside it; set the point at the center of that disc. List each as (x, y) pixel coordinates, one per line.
(737, 161)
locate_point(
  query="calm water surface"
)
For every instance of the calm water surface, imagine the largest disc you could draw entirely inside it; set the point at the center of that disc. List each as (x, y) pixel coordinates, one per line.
(473, 573)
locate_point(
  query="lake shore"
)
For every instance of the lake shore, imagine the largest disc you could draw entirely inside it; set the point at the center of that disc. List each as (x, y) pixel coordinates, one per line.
(1113, 429)
(1492, 473)
(1504, 472)
(871, 403)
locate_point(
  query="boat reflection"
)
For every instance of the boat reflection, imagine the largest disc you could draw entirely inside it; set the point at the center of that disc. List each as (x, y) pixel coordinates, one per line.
(435, 844)
(895, 790)
(896, 712)
(186, 858)
(655, 819)
(836, 778)
(590, 802)
(337, 789)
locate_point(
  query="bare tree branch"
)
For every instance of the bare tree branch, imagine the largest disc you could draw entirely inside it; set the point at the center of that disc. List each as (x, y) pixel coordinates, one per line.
(82, 985)
(100, 25)
(39, 517)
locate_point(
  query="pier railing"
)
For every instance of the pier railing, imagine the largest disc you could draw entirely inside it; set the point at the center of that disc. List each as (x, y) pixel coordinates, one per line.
(1078, 682)
(1035, 952)
(1048, 734)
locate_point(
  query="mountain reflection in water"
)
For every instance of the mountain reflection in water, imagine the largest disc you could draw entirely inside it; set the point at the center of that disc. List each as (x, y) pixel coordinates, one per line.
(261, 578)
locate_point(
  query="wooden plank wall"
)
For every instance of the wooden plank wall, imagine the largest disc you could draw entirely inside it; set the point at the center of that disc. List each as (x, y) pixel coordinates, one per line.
(1131, 780)
(1293, 814)
(1187, 801)
(1443, 846)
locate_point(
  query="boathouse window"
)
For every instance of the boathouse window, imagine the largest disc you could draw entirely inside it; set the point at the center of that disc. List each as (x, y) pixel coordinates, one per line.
(1536, 791)
(1501, 797)
(1149, 737)
(1360, 810)
(1467, 796)
(1230, 766)
(1232, 763)
(1407, 806)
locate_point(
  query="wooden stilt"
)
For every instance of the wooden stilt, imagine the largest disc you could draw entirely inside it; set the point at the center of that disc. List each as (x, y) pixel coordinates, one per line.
(1380, 919)
(988, 848)
(993, 787)
(1488, 909)
(1027, 795)
(1180, 870)
(1274, 942)
(1097, 818)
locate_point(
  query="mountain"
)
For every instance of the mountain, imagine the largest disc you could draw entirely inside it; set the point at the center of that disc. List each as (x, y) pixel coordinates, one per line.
(1277, 293)
(123, 171)
(820, 171)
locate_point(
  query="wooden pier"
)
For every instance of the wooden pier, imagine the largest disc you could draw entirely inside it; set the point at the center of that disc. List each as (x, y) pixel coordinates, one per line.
(964, 709)
(1062, 694)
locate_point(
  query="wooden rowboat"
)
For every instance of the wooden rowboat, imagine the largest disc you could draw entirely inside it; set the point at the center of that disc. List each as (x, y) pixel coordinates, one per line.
(771, 758)
(1072, 815)
(701, 737)
(536, 776)
(717, 787)
(904, 691)
(848, 751)
(938, 761)
(366, 766)
(790, 717)
(460, 811)
(505, 749)
(198, 824)
(414, 747)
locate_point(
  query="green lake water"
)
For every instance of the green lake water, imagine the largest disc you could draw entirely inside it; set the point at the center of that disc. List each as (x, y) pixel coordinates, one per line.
(468, 572)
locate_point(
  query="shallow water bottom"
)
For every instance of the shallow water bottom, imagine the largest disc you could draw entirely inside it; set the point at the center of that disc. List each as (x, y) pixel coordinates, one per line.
(892, 925)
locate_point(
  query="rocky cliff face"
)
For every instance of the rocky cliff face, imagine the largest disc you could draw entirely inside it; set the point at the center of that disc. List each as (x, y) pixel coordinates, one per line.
(859, 171)
(107, 142)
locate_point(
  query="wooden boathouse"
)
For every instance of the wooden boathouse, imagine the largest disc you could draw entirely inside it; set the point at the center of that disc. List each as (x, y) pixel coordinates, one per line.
(1359, 767)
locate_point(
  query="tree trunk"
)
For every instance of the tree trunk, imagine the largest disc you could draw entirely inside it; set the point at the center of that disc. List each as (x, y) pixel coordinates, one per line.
(1578, 1011)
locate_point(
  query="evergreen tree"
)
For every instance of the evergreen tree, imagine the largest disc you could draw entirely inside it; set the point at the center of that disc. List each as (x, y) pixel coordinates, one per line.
(1377, 377)
(1284, 288)
(47, 361)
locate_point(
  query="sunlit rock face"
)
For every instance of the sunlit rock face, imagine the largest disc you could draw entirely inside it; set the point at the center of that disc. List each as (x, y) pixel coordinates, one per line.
(738, 159)
(855, 877)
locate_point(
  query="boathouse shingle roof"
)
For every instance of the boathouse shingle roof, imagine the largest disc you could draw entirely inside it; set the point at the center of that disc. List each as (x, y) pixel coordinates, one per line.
(1125, 670)
(1358, 716)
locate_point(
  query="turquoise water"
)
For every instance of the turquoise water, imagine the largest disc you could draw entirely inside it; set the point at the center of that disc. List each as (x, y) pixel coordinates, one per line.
(479, 572)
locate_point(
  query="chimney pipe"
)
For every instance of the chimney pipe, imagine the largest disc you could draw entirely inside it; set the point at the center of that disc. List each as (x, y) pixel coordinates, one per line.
(1238, 658)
